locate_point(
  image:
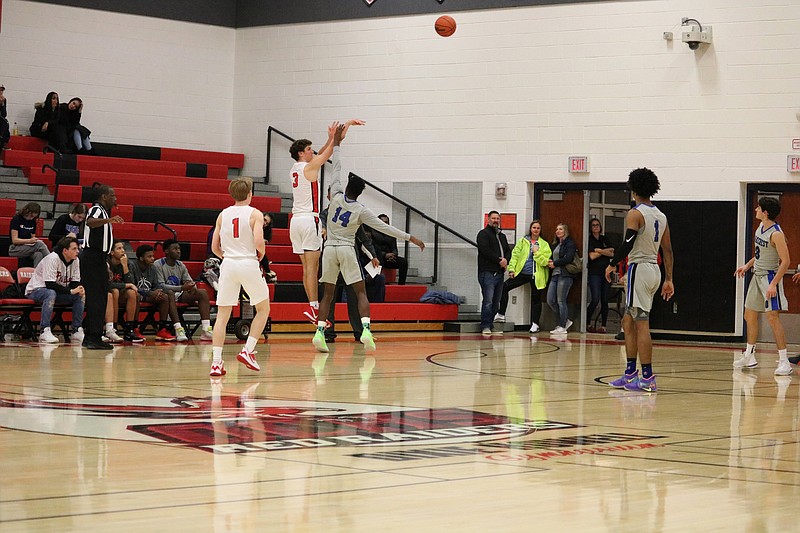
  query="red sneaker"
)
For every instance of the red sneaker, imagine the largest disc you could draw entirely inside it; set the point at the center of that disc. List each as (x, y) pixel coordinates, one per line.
(248, 359)
(311, 314)
(217, 369)
(165, 335)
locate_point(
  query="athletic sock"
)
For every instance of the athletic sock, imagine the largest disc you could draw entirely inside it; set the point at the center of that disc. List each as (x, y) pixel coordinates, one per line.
(205, 323)
(750, 349)
(217, 352)
(783, 357)
(314, 304)
(631, 368)
(250, 345)
(647, 370)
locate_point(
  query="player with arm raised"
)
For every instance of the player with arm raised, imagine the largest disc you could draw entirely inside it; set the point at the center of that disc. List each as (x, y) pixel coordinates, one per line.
(345, 216)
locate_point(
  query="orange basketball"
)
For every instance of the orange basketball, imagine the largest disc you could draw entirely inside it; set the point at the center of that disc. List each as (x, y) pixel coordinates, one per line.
(445, 26)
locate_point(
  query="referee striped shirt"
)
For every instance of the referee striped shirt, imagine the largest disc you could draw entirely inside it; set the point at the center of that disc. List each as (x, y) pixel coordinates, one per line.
(101, 237)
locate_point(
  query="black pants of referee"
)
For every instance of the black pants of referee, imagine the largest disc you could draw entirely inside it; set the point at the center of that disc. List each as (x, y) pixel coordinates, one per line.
(94, 278)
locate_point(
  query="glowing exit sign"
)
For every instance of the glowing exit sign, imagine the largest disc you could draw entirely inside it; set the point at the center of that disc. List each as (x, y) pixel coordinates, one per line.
(793, 163)
(578, 164)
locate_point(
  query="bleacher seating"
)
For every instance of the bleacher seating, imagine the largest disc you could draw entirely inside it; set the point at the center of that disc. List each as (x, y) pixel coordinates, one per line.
(186, 189)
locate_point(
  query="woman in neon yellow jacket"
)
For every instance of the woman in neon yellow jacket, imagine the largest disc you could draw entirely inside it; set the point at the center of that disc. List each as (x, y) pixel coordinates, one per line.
(528, 265)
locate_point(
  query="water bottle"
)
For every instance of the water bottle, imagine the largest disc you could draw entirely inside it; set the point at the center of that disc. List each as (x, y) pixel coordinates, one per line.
(15, 131)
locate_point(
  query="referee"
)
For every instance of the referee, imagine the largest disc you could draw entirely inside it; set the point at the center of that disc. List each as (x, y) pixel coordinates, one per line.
(97, 239)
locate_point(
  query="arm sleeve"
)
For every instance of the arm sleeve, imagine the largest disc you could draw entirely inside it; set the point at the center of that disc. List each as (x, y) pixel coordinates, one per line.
(627, 245)
(59, 288)
(366, 241)
(336, 183)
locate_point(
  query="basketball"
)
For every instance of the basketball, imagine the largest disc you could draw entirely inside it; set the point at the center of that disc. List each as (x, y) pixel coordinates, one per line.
(445, 26)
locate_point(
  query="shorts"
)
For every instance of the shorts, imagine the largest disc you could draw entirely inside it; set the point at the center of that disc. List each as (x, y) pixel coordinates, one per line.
(340, 259)
(756, 299)
(643, 280)
(237, 273)
(304, 234)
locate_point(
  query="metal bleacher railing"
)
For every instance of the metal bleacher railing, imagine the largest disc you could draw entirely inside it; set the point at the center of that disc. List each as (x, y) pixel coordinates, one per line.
(409, 209)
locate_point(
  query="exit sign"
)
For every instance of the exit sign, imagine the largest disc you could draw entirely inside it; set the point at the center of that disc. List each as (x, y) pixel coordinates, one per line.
(578, 164)
(793, 163)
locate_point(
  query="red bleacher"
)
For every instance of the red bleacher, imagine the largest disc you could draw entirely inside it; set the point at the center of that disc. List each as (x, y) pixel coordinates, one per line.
(173, 182)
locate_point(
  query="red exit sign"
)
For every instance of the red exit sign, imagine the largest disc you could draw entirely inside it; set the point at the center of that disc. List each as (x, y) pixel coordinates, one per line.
(793, 163)
(578, 164)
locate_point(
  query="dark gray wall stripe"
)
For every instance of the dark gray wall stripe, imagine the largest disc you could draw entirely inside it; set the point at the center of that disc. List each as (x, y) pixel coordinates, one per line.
(250, 13)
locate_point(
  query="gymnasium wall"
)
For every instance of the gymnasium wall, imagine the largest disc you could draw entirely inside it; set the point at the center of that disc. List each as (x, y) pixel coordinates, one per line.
(143, 80)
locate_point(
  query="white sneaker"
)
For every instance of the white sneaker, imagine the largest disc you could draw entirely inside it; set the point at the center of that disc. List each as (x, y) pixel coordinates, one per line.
(207, 334)
(112, 336)
(784, 369)
(746, 361)
(486, 332)
(499, 318)
(534, 328)
(46, 336)
(180, 334)
(569, 324)
(77, 335)
(558, 331)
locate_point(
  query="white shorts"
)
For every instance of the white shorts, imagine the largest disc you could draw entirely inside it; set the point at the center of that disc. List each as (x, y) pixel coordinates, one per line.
(756, 299)
(643, 282)
(304, 233)
(241, 273)
(336, 259)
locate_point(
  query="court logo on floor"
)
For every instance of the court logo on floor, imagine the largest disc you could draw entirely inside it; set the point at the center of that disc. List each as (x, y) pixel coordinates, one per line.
(237, 424)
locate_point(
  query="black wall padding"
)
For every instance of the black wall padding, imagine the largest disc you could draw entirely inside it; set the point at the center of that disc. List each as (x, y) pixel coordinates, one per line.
(705, 259)
(175, 215)
(68, 161)
(68, 177)
(196, 170)
(128, 151)
(289, 292)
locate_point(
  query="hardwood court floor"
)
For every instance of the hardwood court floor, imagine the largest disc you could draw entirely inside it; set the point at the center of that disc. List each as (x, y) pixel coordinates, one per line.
(435, 432)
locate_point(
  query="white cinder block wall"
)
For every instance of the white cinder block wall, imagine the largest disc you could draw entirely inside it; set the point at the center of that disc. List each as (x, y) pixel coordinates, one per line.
(508, 98)
(142, 80)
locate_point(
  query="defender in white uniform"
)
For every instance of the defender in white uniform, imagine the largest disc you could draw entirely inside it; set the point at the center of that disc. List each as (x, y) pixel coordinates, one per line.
(239, 240)
(647, 231)
(770, 262)
(304, 229)
(345, 215)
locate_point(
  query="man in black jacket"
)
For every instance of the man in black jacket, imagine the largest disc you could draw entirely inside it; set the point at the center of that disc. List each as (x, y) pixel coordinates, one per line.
(493, 256)
(386, 247)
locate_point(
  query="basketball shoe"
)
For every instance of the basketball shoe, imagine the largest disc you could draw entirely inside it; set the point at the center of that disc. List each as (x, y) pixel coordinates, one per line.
(311, 314)
(642, 384)
(248, 359)
(620, 383)
(367, 340)
(746, 360)
(217, 369)
(784, 369)
(164, 335)
(319, 341)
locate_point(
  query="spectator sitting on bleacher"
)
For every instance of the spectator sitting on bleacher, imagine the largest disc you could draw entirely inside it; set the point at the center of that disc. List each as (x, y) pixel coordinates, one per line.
(122, 289)
(146, 277)
(75, 130)
(174, 277)
(24, 242)
(48, 124)
(57, 279)
(69, 224)
(388, 255)
(5, 131)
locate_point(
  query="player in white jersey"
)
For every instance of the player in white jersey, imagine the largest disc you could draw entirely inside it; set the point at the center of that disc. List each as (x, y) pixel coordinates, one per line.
(647, 231)
(304, 225)
(345, 216)
(239, 240)
(770, 262)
